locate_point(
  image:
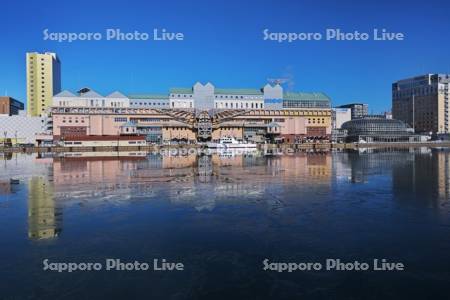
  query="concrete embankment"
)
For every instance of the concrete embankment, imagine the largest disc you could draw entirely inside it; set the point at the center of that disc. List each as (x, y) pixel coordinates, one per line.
(266, 147)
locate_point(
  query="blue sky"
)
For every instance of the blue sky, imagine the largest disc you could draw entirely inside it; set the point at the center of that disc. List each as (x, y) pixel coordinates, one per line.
(224, 44)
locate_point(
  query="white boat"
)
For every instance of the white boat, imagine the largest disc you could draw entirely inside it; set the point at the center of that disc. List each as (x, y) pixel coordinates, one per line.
(229, 143)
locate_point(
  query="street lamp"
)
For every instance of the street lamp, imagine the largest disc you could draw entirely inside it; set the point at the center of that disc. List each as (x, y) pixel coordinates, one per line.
(118, 138)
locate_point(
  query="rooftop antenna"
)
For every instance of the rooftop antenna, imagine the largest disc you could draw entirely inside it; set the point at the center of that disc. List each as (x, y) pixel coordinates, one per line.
(277, 80)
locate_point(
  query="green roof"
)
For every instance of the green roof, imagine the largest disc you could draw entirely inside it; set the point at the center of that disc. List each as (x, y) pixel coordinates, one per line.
(306, 96)
(181, 90)
(238, 92)
(219, 91)
(148, 96)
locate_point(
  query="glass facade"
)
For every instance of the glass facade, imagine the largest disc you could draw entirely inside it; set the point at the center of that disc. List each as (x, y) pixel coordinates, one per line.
(377, 129)
(374, 126)
(305, 104)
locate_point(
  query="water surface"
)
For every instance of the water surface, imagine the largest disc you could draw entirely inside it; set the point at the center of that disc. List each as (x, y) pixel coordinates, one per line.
(221, 215)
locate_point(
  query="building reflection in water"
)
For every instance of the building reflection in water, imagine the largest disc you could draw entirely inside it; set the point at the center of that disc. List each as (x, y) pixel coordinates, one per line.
(423, 177)
(229, 177)
(205, 181)
(196, 180)
(420, 174)
(8, 187)
(443, 178)
(44, 213)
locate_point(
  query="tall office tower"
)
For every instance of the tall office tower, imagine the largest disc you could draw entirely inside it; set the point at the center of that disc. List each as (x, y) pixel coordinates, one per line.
(359, 110)
(43, 81)
(422, 102)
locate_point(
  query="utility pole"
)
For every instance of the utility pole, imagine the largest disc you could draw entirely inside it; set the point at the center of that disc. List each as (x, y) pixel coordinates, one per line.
(414, 111)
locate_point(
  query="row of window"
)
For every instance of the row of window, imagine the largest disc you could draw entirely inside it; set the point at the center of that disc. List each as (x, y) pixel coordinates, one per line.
(94, 103)
(237, 97)
(152, 120)
(218, 96)
(305, 104)
(80, 143)
(238, 105)
(72, 143)
(75, 121)
(313, 121)
(181, 96)
(149, 103)
(182, 104)
(419, 91)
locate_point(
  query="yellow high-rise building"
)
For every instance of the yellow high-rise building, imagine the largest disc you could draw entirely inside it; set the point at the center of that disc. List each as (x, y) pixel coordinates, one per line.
(44, 213)
(43, 81)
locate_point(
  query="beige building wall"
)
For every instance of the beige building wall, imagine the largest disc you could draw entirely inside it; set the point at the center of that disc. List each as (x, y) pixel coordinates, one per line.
(293, 125)
(237, 133)
(440, 111)
(319, 121)
(95, 125)
(169, 133)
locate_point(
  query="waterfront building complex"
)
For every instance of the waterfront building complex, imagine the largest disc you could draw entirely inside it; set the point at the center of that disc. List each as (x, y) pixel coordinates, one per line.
(43, 81)
(201, 112)
(423, 102)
